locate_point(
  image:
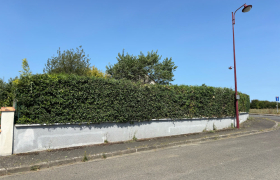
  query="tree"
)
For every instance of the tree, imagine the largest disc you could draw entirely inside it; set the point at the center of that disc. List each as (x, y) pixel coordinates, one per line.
(143, 68)
(25, 71)
(3, 92)
(254, 104)
(12, 84)
(25, 68)
(7, 90)
(97, 73)
(7, 93)
(68, 62)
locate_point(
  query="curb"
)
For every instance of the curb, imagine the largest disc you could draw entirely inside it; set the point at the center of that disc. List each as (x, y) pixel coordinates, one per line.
(3, 171)
(46, 165)
(265, 114)
(276, 124)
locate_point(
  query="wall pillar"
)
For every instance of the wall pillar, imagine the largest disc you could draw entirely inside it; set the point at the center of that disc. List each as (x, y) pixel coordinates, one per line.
(7, 131)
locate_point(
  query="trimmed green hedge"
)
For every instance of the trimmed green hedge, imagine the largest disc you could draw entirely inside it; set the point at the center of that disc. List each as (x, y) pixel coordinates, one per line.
(47, 99)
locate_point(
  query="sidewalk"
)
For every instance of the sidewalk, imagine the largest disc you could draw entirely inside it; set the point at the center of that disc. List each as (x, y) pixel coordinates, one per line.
(51, 158)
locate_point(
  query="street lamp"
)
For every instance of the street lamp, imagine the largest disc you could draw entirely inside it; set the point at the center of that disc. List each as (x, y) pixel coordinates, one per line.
(246, 8)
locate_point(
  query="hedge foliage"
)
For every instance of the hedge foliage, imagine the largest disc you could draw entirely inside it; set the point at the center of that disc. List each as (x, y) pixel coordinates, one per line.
(6, 92)
(256, 104)
(48, 99)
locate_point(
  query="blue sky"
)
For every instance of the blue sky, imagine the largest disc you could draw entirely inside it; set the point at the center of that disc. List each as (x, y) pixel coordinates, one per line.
(196, 34)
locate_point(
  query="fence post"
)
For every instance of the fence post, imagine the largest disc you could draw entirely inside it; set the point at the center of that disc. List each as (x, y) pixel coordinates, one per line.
(14, 103)
(7, 131)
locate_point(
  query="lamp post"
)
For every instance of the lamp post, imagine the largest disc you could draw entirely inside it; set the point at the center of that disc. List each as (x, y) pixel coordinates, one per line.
(246, 8)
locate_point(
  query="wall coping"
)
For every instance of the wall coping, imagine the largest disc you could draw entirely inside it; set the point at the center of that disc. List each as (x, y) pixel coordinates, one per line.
(165, 119)
(9, 109)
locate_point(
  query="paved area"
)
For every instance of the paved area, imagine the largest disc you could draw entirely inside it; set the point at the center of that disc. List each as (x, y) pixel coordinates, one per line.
(51, 158)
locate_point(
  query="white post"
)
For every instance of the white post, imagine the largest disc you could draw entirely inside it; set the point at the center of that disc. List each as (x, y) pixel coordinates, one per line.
(7, 131)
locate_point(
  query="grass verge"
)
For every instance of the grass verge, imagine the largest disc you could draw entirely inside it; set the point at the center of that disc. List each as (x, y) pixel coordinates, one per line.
(264, 111)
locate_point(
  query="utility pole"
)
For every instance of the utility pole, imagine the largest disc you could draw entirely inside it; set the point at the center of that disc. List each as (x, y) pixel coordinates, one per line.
(246, 8)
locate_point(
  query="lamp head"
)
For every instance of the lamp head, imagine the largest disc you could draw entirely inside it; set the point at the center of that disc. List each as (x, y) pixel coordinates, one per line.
(247, 8)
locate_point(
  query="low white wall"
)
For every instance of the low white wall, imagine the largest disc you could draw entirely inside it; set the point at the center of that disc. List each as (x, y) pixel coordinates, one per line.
(28, 138)
(243, 117)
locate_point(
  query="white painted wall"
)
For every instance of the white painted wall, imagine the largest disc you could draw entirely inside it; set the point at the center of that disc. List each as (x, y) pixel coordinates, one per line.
(28, 138)
(6, 135)
(0, 137)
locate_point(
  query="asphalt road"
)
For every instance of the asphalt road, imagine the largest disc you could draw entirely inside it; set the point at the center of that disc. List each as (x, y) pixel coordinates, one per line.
(247, 157)
(275, 118)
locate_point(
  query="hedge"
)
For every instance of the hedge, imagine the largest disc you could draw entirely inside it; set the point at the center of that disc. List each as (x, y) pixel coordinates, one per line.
(257, 104)
(48, 99)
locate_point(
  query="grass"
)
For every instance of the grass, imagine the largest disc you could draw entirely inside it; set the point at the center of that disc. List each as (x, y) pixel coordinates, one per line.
(216, 138)
(264, 111)
(214, 127)
(34, 168)
(134, 138)
(85, 157)
(250, 118)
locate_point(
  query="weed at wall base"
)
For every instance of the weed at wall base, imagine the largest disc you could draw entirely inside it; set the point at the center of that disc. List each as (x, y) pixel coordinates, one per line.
(35, 168)
(214, 127)
(134, 138)
(85, 157)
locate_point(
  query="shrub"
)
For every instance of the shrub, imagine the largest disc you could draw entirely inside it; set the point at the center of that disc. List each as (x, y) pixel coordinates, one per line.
(47, 99)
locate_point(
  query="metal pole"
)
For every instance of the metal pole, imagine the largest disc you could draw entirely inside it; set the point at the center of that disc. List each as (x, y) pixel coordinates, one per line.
(235, 79)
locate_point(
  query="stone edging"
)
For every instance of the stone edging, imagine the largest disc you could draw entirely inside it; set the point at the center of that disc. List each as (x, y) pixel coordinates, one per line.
(162, 119)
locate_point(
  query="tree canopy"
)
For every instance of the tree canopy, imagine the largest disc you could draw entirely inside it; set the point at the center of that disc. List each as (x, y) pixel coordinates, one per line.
(68, 62)
(143, 68)
(257, 104)
(7, 90)
(7, 93)
(97, 73)
(25, 69)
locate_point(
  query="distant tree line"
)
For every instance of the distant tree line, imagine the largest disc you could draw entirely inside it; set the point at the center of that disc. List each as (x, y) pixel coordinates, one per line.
(256, 104)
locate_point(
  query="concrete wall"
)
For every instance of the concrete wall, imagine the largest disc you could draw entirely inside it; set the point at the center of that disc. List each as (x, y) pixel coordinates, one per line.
(28, 138)
(7, 131)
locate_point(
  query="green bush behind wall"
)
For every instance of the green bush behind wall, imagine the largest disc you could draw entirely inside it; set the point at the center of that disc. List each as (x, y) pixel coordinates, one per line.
(48, 99)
